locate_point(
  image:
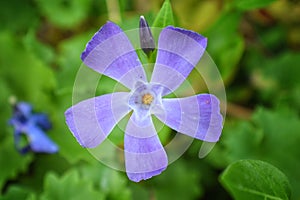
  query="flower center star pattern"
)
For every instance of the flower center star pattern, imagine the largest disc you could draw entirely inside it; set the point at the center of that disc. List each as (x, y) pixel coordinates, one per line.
(110, 52)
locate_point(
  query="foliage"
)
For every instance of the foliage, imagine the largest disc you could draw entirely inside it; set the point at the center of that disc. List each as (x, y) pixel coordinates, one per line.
(253, 179)
(165, 16)
(255, 45)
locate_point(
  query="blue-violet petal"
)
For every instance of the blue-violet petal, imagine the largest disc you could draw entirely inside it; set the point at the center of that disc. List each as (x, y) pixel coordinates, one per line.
(197, 116)
(179, 50)
(110, 52)
(144, 156)
(93, 119)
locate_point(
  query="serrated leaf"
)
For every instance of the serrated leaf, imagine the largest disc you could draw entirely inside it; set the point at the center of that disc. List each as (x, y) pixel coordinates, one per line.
(69, 186)
(11, 162)
(251, 4)
(165, 16)
(254, 179)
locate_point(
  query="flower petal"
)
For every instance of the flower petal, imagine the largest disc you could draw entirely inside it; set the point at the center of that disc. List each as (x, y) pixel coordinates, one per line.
(110, 52)
(179, 50)
(42, 120)
(23, 108)
(197, 116)
(39, 141)
(93, 119)
(140, 129)
(144, 156)
(22, 113)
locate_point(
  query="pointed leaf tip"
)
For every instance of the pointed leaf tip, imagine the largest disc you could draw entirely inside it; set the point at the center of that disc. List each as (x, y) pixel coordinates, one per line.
(165, 16)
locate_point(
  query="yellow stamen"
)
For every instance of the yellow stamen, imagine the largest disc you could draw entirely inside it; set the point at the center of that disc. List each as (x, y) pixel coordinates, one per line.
(147, 99)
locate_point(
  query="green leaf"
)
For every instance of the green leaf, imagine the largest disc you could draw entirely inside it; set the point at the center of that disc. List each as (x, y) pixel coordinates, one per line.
(65, 14)
(108, 85)
(43, 163)
(163, 19)
(142, 56)
(225, 44)
(5, 107)
(165, 16)
(271, 136)
(28, 77)
(17, 192)
(69, 186)
(251, 4)
(113, 184)
(179, 181)
(276, 78)
(18, 15)
(270, 69)
(254, 179)
(69, 58)
(11, 162)
(39, 49)
(273, 37)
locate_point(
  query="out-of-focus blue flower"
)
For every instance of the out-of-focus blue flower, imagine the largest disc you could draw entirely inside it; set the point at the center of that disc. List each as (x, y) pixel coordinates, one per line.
(110, 53)
(32, 126)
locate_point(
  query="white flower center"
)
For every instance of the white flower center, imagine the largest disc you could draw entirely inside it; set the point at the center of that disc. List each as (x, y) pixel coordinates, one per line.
(144, 98)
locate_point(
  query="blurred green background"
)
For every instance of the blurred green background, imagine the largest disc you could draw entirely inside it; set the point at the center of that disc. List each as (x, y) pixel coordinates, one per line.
(255, 45)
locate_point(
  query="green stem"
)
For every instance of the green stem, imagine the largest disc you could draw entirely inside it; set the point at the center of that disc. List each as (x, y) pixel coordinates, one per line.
(113, 9)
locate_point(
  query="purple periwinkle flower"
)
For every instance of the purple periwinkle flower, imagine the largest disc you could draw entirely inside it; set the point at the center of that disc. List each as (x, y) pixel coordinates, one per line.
(32, 125)
(110, 52)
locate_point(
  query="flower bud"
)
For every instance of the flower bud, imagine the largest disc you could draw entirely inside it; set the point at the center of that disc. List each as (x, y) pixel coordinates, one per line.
(146, 38)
